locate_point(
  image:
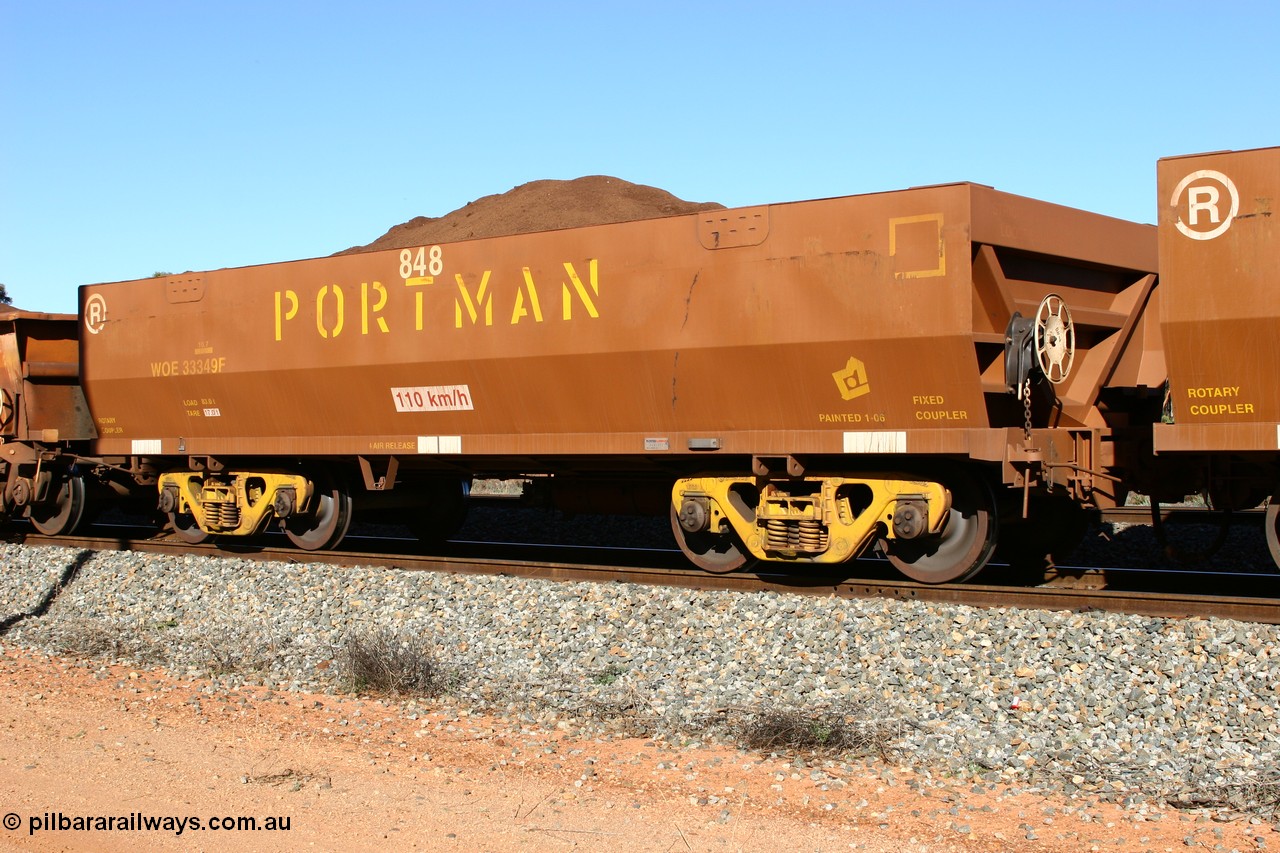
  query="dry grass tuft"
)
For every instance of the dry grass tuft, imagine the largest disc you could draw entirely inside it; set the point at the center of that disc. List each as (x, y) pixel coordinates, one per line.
(853, 728)
(381, 661)
(96, 638)
(1258, 795)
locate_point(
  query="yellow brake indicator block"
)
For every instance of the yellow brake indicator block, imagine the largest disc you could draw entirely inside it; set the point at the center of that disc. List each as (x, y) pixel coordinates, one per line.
(818, 519)
(234, 503)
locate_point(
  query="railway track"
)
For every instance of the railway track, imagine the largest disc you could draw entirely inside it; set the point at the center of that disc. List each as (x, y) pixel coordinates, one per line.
(1255, 598)
(1181, 515)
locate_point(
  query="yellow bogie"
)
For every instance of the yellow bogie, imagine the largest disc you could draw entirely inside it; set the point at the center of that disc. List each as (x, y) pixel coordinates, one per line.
(817, 519)
(234, 503)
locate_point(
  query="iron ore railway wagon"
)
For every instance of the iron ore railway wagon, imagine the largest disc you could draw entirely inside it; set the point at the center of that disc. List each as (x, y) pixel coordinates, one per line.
(938, 372)
(1220, 322)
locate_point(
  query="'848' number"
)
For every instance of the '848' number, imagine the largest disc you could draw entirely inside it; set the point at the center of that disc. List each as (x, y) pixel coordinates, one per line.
(421, 261)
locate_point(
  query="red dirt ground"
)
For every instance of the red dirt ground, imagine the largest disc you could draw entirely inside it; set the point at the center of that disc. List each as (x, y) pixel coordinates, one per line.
(82, 738)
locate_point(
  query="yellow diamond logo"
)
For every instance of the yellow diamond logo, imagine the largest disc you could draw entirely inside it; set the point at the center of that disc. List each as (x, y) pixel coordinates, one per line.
(852, 381)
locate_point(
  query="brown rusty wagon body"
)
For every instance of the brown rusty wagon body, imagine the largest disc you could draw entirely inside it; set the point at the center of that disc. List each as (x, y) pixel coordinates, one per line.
(789, 378)
(42, 412)
(1220, 319)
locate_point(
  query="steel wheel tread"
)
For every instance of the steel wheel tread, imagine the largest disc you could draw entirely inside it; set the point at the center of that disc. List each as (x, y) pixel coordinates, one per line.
(711, 552)
(327, 524)
(965, 545)
(68, 510)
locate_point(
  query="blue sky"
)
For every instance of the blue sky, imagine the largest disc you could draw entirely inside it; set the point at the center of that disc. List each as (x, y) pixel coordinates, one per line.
(139, 137)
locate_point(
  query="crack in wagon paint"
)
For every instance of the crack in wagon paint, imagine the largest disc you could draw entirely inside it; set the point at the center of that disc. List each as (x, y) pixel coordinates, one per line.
(675, 365)
(688, 300)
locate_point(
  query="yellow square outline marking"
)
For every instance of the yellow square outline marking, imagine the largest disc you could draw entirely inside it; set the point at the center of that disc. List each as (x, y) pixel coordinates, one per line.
(941, 269)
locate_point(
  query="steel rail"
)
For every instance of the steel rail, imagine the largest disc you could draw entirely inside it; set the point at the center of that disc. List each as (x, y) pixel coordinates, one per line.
(1180, 515)
(660, 568)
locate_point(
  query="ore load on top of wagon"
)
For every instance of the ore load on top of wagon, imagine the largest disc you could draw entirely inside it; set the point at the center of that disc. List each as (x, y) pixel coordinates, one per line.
(546, 205)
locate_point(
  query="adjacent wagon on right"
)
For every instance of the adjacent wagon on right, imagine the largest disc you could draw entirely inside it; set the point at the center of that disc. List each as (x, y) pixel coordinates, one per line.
(1220, 321)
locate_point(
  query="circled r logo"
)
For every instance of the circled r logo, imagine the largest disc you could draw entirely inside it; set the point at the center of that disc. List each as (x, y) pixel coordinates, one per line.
(1206, 202)
(95, 313)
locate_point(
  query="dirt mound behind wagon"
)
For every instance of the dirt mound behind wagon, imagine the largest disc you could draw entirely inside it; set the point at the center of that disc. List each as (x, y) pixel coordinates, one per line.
(539, 206)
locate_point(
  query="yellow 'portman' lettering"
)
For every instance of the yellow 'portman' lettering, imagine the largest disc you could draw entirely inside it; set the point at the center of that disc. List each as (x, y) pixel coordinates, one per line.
(417, 297)
(534, 305)
(380, 307)
(483, 297)
(582, 291)
(288, 315)
(341, 303)
(365, 311)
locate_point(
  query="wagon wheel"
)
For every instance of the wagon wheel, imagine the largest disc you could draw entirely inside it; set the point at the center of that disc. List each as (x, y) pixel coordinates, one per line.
(444, 513)
(1055, 339)
(1273, 528)
(1191, 557)
(185, 526)
(718, 553)
(326, 524)
(962, 548)
(1054, 528)
(63, 514)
